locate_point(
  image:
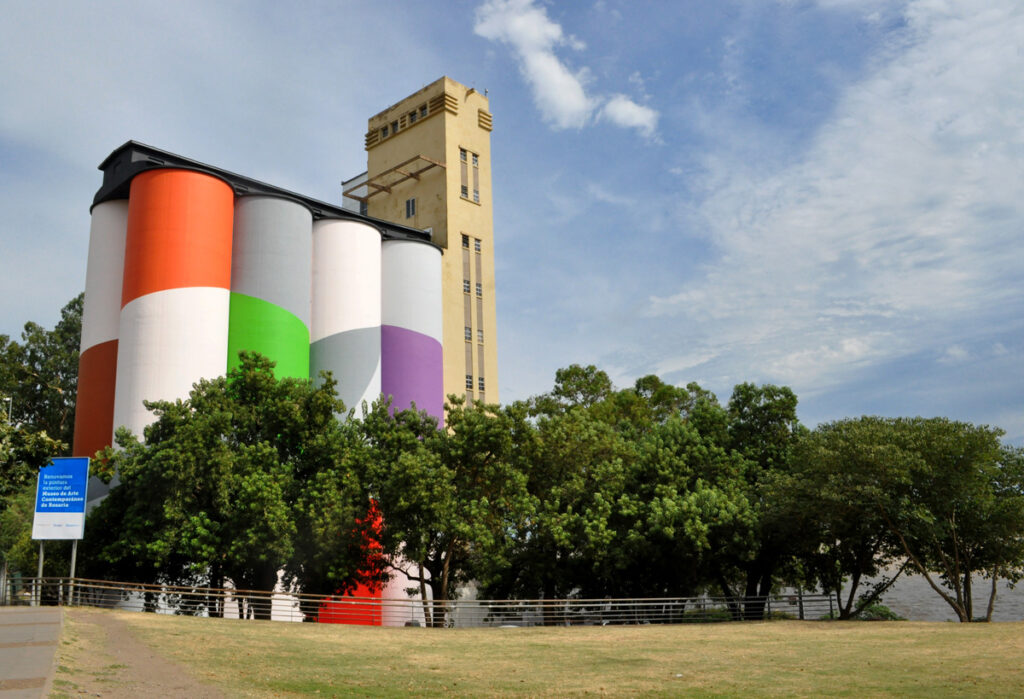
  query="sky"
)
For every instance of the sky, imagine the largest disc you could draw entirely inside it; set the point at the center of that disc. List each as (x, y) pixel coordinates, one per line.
(826, 194)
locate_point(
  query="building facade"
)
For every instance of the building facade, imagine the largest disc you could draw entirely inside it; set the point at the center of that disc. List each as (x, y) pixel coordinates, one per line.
(429, 167)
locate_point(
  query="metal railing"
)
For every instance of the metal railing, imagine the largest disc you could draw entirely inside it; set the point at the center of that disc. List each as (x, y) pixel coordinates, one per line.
(460, 613)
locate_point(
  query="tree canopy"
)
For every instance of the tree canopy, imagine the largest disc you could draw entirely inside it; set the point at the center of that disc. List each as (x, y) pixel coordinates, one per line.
(237, 482)
(587, 490)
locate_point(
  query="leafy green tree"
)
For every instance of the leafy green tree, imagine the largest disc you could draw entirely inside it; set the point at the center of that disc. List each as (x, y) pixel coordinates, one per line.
(448, 497)
(220, 487)
(761, 427)
(22, 452)
(632, 497)
(575, 477)
(961, 510)
(832, 495)
(40, 374)
(38, 380)
(944, 495)
(683, 497)
(578, 385)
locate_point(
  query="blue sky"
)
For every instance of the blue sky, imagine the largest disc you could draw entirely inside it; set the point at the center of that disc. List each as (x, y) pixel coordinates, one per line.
(826, 195)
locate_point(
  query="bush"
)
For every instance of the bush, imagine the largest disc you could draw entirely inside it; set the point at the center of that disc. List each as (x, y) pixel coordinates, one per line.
(878, 612)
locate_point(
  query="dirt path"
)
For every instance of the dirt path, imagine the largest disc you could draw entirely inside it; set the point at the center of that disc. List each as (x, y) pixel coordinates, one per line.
(100, 656)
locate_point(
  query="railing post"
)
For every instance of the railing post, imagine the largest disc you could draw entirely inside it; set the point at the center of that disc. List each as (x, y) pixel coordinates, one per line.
(38, 595)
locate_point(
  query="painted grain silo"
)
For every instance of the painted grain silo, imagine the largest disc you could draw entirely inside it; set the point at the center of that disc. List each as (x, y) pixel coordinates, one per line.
(411, 351)
(189, 264)
(176, 294)
(346, 332)
(271, 283)
(101, 313)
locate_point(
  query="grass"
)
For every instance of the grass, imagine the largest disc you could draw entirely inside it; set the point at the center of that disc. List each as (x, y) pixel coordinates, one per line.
(82, 660)
(250, 658)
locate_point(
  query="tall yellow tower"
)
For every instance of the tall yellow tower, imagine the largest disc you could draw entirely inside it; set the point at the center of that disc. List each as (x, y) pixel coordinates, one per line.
(429, 167)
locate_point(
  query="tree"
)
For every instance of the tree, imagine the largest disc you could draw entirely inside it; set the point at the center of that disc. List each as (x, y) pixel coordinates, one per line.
(574, 478)
(683, 497)
(948, 497)
(447, 497)
(762, 427)
(960, 512)
(632, 497)
(221, 486)
(22, 453)
(832, 496)
(40, 374)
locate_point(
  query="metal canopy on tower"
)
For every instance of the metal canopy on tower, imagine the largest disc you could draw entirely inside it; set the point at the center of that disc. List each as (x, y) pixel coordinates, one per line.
(382, 183)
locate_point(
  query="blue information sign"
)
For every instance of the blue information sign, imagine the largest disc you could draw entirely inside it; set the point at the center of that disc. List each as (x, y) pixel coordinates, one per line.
(60, 499)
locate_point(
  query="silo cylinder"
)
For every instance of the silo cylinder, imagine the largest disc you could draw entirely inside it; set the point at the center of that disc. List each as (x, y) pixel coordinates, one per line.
(175, 297)
(411, 354)
(346, 333)
(101, 313)
(271, 271)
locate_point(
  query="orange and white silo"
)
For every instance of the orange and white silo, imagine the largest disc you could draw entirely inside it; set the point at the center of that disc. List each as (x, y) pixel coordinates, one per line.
(175, 299)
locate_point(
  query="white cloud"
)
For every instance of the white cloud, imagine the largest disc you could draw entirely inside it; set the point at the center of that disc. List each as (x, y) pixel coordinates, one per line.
(955, 354)
(602, 194)
(897, 231)
(622, 111)
(559, 92)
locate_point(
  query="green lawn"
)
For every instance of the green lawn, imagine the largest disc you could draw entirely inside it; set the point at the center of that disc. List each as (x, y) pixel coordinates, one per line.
(736, 659)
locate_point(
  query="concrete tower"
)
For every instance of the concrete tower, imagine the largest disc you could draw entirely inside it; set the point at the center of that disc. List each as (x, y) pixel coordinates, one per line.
(429, 167)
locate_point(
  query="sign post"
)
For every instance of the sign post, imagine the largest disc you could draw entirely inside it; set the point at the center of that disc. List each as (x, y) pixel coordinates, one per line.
(60, 507)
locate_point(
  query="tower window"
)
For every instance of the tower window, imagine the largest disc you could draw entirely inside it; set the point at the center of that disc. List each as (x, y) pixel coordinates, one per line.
(465, 190)
(394, 127)
(469, 333)
(423, 110)
(476, 195)
(479, 290)
(476, 160)
(465, 285)
(462, 154)
(410, 207)
(479, 383)
(412, 117)
(384, 132)
(465, 241)
(479, 335)
(469, 381)
(476, 244)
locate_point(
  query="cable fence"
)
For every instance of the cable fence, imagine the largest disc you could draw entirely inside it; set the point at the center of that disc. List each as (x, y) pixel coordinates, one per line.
(459, 613)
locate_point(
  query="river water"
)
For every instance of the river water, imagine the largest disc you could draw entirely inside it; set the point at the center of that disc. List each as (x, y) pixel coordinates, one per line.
(913, 598)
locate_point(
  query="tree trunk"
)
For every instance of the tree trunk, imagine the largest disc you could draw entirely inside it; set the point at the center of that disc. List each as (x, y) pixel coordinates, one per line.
(549, 595)
(992, 597)
(958, 608)
(445, 571)
(735, 611)
(215, 603)
(427, 615)
(267, 583)
(968, 597)
(759, 585)
(845, 612)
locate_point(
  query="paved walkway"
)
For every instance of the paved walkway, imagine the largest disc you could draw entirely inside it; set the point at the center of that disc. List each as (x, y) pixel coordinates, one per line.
(28, 644)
